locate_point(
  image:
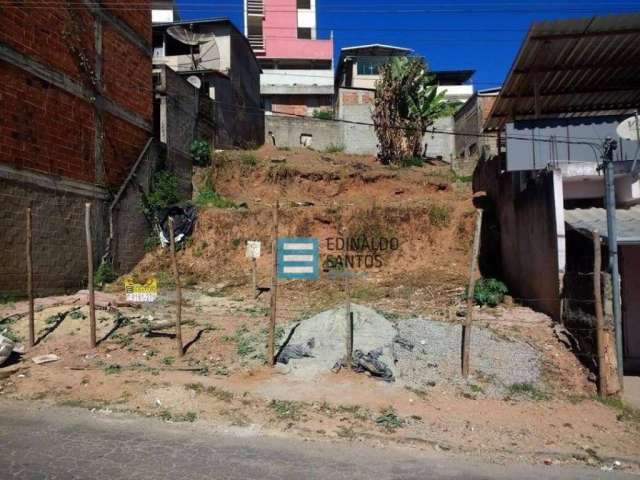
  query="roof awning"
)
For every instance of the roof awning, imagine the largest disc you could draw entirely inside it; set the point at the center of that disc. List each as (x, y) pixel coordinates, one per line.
(573, 68)
(587, 220)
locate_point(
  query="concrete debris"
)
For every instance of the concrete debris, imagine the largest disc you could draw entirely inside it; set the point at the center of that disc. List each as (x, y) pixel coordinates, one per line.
(39, 360)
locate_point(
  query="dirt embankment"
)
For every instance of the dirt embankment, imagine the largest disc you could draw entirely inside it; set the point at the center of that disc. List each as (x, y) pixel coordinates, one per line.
(424, 209)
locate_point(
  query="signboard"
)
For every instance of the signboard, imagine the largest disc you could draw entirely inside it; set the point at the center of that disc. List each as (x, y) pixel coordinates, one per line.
(298, 258)
(136, 292)
(253, 249)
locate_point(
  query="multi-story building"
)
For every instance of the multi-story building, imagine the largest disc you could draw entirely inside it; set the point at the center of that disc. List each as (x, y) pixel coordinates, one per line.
(297, 67)
(164, 11)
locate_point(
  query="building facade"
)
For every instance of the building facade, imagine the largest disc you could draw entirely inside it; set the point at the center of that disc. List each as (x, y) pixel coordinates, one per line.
(215, 57)
(76, 113)
(297, 66)
(356, 75)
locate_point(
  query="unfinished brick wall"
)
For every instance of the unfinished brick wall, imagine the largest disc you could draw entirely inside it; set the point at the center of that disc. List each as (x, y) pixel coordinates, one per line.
(53, 91)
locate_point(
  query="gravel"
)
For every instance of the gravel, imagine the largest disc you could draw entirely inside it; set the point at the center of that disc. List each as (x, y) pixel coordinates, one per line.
(420, 352)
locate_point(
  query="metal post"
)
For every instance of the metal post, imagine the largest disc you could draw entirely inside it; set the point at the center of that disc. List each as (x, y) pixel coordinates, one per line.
(612, 240)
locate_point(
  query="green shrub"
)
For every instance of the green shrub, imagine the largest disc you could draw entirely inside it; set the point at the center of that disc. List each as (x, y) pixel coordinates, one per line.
(104, 274)
(164, 192)
(200, 153)
(412, 162)
(334, 148)
(209, 198)
(489, 291)
(323, 114)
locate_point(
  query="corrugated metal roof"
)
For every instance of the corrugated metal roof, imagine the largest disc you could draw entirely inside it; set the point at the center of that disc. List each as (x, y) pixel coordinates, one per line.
(573, 68)
(588, 220)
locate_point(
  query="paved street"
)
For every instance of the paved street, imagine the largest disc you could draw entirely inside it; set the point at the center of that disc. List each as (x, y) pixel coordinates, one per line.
(58, 443)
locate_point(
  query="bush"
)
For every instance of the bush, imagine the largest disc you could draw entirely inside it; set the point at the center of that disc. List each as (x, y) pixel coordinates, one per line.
(489, 291)
(104, 274)
(164, 192)
(200, 153)
(248, 159)
(323, 114)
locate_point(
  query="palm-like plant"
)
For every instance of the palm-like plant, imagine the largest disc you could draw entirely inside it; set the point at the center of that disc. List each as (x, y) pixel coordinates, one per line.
(407, 102)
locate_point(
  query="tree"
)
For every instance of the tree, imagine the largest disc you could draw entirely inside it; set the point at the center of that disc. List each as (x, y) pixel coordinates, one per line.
(407, 102)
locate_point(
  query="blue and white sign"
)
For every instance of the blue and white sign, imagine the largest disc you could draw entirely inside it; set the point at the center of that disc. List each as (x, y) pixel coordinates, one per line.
(298, 258)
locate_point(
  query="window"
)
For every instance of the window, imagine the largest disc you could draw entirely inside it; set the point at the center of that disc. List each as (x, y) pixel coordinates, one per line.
(306, 4)
(370, 65)
(304, 33)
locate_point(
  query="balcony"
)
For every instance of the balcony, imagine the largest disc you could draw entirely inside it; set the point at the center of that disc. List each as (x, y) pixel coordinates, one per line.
(255, 8)
(256, 42)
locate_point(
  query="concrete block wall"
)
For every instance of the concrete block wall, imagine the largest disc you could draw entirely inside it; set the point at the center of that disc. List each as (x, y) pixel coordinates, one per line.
(291, 132)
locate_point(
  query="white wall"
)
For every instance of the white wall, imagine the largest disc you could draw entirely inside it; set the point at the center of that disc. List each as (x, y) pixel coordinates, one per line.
(161, 16)
(298, 77)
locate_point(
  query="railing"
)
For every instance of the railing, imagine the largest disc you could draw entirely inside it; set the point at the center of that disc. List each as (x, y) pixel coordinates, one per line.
(255, 7)
(256, 42)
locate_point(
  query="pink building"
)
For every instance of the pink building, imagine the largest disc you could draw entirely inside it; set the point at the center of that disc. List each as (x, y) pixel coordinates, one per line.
(297, 67)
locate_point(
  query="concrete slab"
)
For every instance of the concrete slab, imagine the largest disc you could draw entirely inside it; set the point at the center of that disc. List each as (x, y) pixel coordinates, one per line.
(632, 391)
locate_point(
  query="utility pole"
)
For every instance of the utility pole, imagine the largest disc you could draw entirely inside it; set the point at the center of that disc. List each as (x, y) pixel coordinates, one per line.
(608, 147)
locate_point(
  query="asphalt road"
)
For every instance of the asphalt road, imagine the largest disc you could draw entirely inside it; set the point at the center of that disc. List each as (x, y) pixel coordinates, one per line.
(37, 442)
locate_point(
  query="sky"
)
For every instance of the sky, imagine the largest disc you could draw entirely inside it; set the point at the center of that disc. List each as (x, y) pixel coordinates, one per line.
(480, 35)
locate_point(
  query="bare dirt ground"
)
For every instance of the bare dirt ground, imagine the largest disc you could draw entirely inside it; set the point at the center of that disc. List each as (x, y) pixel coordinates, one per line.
(222, 377)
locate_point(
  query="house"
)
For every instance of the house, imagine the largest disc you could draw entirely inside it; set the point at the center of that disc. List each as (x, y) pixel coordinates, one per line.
(164, 11)
(355, 83)
(215, 57)
(567, 91)
(471, 141)
(76, 115)
(297, 66)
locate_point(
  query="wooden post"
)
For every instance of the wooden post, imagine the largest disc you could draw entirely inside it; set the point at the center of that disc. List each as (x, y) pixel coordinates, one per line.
(32, 334)
(254, 279)
(274, 289)
(176, 274)
(92, 297)
(349, 314)
(466, 328)
(597, 294)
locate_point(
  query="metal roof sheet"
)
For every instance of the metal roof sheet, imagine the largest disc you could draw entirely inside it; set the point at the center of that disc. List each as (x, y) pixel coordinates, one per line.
(588, 220)
(569, 68)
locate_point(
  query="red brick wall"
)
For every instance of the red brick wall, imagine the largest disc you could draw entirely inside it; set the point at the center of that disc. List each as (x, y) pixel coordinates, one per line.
(45, 129)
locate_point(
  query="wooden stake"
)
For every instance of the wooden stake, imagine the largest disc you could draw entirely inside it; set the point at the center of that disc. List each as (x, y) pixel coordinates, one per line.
(466, 328)
(92, 296)
(274, 289)
(254, 279)
(176, 274)
(349, 314)
(32, 334)
(597, 294)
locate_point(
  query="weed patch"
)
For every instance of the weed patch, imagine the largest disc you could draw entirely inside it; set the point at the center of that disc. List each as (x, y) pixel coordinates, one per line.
(389, 420)
(286, 410)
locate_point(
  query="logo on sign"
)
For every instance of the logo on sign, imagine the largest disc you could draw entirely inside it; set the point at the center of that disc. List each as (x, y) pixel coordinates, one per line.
(298, 258)
(136, 292)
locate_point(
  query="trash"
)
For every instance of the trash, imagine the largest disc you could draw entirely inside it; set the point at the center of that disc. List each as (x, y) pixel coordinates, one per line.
(6, 347)
(370, 362)
(548, 461)
(296, 351)
(184, 218)
(39, 360)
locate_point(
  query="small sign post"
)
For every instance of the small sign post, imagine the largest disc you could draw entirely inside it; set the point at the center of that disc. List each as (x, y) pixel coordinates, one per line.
(253, 252)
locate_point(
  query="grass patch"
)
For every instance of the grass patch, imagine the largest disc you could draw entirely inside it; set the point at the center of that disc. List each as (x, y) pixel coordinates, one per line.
(209, 198)
(526, 389)
(167, 416)
(439, 215)
(248, 160)
(168, 361)
(389, 419)
(411, 162)
(334, 148)
(286, 410)
(112, 369)
(625, 412)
